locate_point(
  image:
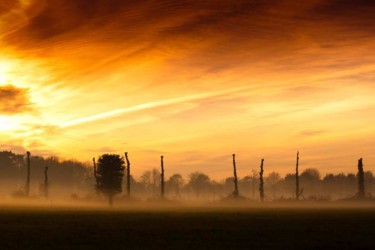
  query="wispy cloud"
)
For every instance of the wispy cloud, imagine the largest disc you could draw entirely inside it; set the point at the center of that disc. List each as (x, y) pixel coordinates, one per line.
(149, 105)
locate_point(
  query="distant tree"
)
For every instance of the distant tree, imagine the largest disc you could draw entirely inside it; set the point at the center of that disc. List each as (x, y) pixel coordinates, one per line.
(311, 180)
(273, 179)
(174, 183)
(310, 174)
(198, 182)
(109, 174)
(254, 181)
(150, 181)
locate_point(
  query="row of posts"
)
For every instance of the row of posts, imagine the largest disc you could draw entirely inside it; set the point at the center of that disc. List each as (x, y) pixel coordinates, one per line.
(298, 192)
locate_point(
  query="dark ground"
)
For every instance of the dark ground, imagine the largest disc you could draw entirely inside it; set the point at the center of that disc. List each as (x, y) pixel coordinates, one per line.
(208, 228)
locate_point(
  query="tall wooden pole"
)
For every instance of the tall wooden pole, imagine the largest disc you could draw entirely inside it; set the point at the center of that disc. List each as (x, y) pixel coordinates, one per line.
(297, 178)
(127, 174)
(361, 180)
(94, 163)
(162, 177)
(28, 175)
(261, 182)
(235, 192)
(46, 184)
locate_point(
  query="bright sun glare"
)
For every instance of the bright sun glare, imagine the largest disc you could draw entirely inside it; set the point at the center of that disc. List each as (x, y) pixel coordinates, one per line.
(3, 73)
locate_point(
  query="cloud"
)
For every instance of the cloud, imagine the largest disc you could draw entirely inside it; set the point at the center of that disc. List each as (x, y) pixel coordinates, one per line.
(14, 100)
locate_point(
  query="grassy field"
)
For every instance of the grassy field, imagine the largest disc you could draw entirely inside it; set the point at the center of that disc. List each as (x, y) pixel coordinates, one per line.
(194, 228)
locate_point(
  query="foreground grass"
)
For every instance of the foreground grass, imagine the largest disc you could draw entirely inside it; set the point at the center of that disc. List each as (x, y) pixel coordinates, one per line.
(177, 228)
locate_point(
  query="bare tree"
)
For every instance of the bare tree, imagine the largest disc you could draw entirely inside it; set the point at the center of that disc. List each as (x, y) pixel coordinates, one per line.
(254, 181)
(273, 179)
(175, 182)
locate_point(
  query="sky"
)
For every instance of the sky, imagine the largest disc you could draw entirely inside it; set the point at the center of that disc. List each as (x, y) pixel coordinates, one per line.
(195, 81)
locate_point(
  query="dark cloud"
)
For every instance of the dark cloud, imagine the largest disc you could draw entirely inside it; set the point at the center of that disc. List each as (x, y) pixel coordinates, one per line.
(14, 100)
(212, 35)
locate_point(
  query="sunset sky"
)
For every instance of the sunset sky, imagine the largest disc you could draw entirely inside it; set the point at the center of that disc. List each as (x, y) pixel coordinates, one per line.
(193, 80)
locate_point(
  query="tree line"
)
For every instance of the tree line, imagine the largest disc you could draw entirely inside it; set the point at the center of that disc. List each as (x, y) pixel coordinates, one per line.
(50, 173)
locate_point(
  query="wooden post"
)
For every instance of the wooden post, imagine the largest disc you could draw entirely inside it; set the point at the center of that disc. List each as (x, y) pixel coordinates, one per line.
(162, 178)
(93, 161)
(361, 180)
(127, 174)
(261, 182)
(46, 184)
(235, 192)
(27, 191)
(298, 190)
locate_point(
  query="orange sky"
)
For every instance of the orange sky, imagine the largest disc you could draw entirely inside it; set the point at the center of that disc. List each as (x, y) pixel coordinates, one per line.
(193, 80)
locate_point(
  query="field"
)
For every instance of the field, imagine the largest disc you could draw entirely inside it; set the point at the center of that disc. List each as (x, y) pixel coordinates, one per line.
(158, 227)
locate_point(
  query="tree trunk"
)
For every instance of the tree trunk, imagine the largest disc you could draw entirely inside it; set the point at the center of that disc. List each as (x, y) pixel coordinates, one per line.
(46, 184)
(162, 178)
(27, 191)
(297, 178)
(261, 182)
(235, 192)
(361, 180)
(110, 200)
(127, 175)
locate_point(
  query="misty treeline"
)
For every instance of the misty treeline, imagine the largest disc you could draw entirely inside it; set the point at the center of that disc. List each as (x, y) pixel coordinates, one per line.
(67, 178)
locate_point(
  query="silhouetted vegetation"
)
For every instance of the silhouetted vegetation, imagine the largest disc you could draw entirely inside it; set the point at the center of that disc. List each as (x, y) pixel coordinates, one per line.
(72, 178)
(109, 174)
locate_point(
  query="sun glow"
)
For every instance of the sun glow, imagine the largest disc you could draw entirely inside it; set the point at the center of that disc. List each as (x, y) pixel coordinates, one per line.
(4, 68)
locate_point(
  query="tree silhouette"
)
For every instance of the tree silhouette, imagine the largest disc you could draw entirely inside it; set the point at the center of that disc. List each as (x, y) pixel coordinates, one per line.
(273, 179)
(199, 182)
(175, 182)
(109, 174)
